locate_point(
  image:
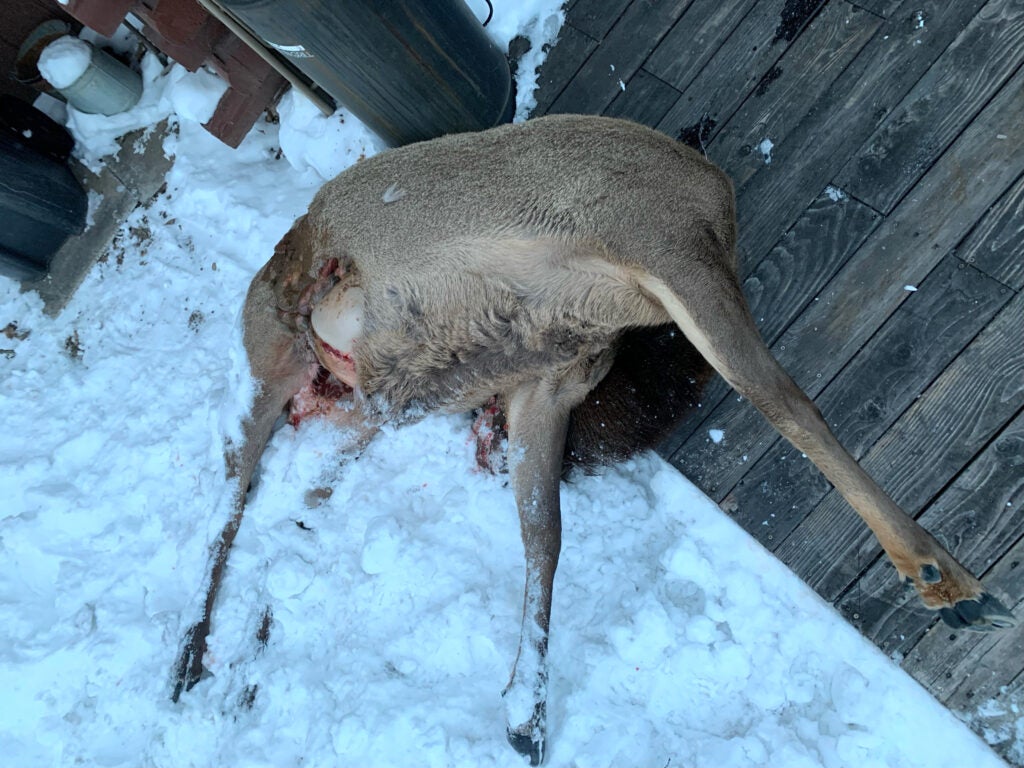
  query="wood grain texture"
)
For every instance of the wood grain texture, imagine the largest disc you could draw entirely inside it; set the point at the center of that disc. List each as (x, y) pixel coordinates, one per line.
(978, 675)
(870, 287)
(952, 91)
(694, 39)
(622, 52)
(563, 61)
(979, 517)
(883, 8)
(952, 305)
(789, 89)
(994, 246)
(943, 659)
(778, 288)
(735, 70)
(595, 18)
(952, 421)
(842, 119)
(645, 99)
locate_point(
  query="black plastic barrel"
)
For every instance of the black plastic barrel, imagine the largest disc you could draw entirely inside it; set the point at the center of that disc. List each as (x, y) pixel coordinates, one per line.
(410, 69)
(41, 202)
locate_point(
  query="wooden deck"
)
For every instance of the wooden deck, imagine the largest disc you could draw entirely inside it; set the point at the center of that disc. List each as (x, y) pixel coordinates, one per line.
(882, 249)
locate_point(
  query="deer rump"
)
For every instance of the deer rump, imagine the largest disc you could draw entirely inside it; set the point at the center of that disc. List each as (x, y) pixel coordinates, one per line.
(578, 270)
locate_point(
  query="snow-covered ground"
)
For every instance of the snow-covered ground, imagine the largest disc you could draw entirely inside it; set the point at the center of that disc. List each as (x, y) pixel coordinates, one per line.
(677, 640)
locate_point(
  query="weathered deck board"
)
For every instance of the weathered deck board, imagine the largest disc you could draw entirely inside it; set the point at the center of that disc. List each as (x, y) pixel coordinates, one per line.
(622, 52)
(926, 226)
(736, 68)
(916, 109)
(645, 99)
(694, 39)
(988, 51)
(953, 304)
(954, 419)
(975, 516)
(994, 246)
(839, 123)
(566, 57)
(883, 8)
(594, 17)
(791, 87)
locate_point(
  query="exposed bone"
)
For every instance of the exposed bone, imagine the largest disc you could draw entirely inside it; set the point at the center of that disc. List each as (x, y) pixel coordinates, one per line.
(337, 322)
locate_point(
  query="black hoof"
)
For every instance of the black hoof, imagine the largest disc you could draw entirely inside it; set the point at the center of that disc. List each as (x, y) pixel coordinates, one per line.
(189, 668)
(983, 614)
(528, 738)
(529, 744)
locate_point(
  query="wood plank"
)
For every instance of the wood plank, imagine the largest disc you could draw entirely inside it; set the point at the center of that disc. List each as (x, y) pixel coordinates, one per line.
(968, 670)
(780, 286)
(951, 422)
(839, 123)
(619, 56)
(792, 86)
(734, 71)
(645, 99)
(563, 61)
(694, 39)
(979, 518)
(883, 8)
(951, 306)
(902, 251)
(994, 245)
(595, 18)
(943, 659)
(937, 109)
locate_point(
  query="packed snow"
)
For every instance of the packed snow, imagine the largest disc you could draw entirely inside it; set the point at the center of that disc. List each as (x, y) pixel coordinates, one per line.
(393, 582)
(835, 194)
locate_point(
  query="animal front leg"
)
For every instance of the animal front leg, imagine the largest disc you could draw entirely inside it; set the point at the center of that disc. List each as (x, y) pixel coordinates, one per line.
(537, 427)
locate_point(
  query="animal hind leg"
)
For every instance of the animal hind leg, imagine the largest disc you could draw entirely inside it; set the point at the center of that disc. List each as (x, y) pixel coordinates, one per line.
(279, 371)
(705, 300)
(537, 423)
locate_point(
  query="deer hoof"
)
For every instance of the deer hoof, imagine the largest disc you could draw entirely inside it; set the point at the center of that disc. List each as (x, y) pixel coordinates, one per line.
(528, 738)
(983, 614)
(189, 668)
(527, 744)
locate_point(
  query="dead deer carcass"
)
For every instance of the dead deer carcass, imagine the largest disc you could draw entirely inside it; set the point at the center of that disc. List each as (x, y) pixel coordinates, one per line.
(542, 264)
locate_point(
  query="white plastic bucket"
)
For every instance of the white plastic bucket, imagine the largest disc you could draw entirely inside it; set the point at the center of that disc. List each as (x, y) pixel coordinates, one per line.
(105, 88)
